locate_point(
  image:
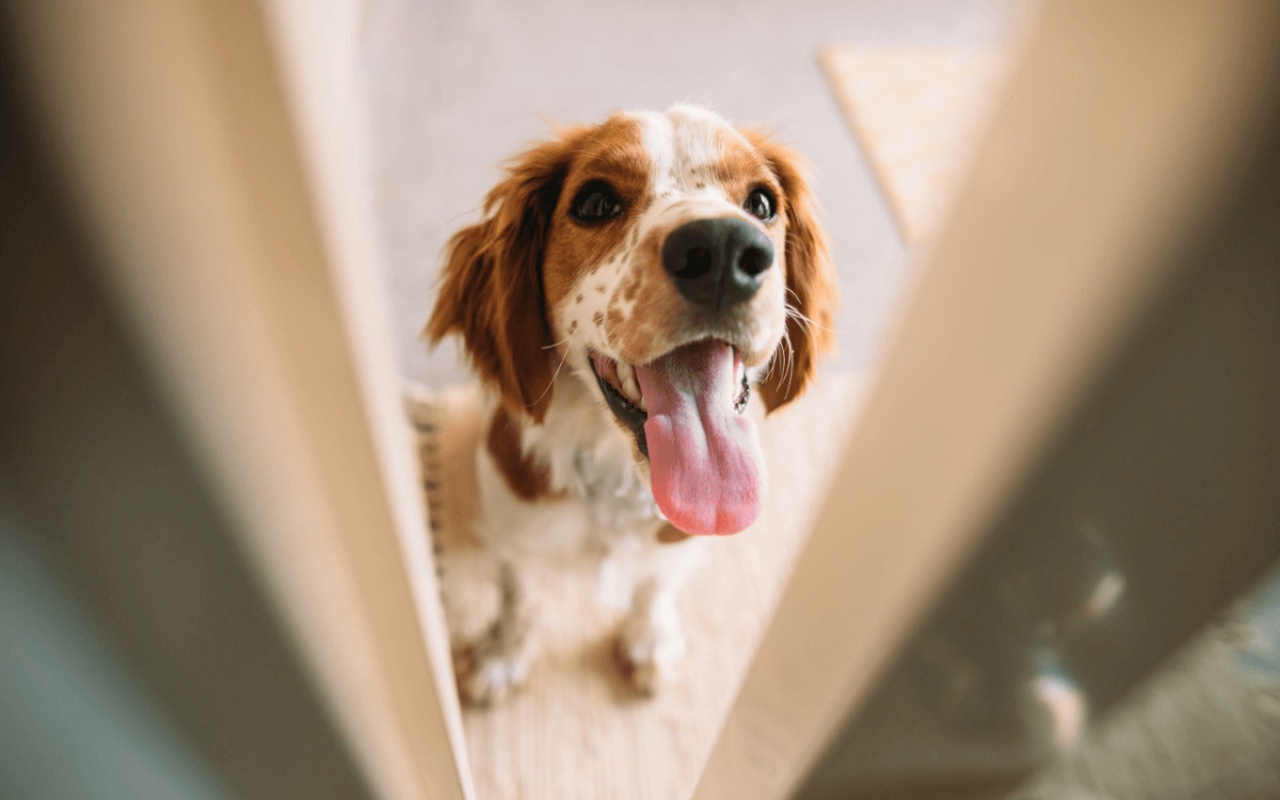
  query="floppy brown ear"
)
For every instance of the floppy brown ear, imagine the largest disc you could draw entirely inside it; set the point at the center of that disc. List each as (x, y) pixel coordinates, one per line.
(491, 285)
(811, 285)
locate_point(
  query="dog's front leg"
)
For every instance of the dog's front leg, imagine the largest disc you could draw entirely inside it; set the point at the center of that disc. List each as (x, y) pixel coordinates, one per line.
(652, 641)
(499, 662)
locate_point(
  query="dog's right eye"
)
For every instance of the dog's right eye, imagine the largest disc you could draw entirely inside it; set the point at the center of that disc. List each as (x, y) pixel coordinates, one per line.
(595, 202)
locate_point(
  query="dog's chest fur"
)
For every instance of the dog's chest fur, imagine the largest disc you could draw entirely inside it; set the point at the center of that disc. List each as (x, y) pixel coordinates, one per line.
(591, 459)
(586, 461)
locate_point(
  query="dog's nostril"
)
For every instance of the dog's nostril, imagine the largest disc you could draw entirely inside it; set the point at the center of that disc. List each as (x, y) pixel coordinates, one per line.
(697, 262)
(754, 260)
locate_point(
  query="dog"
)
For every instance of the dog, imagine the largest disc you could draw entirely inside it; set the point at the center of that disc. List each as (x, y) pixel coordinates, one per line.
(628, 288)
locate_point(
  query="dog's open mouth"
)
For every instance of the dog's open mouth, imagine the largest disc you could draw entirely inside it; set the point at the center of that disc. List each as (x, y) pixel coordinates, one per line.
(686, 411)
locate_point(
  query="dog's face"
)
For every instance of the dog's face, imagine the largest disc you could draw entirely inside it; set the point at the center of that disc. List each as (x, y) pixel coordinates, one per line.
(669, 260)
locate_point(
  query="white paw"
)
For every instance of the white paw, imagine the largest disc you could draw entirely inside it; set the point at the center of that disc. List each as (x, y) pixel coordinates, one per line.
(492, 678)
(648, 651)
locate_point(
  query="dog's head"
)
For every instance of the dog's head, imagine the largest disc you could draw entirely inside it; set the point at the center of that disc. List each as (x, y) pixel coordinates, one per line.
(671, 261)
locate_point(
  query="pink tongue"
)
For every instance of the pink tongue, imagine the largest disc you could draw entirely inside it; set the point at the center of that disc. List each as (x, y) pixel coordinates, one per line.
(704, 458)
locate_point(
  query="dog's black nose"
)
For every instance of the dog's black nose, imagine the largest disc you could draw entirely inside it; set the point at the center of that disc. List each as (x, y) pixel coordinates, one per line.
(717, 263)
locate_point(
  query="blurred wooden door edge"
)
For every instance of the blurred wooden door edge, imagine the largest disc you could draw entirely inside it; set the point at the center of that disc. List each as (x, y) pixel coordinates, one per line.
(212, 151)
(1119, 131)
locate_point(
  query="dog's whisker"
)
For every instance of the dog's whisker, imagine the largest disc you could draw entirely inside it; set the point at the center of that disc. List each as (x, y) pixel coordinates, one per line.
(785, 354)
(807, 323)
(799, 315)
(809, 320)
(560, 343)
(551, 382)
(791, 361)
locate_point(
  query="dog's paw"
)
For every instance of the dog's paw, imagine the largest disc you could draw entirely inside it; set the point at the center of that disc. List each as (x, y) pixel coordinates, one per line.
(487, 676)
(648, 652)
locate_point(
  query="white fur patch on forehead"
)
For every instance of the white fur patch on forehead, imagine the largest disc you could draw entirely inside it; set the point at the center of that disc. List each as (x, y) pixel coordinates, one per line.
(658, 136)
(683, 144)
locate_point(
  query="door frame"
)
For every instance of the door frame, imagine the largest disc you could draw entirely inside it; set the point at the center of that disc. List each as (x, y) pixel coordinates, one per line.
(213, 154)
(1118, 132)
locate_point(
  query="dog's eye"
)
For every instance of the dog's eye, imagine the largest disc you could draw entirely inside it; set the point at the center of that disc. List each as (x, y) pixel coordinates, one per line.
(595, 202)
(761, 205)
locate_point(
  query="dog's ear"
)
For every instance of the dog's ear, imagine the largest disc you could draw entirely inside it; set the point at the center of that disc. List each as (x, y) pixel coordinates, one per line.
(811, 286)
(491, 285)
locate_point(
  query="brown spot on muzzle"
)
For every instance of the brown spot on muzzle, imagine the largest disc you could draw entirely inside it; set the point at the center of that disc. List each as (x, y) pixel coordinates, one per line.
(657, 310)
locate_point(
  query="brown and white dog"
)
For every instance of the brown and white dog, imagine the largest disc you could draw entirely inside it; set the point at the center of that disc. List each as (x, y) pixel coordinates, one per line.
(627, 286)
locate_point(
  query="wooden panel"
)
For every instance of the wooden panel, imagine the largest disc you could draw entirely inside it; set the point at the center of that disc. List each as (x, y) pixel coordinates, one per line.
(1118, 130)
(243, 263)
(153, 652)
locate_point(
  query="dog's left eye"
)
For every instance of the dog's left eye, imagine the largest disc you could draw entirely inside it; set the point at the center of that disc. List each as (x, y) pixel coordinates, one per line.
(761, 205)
(595, 202)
